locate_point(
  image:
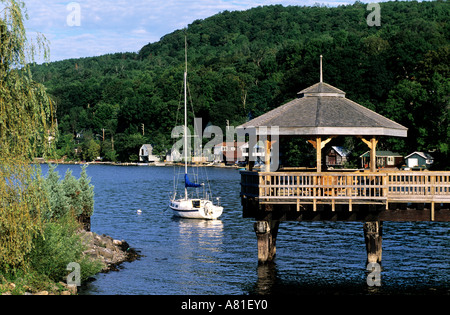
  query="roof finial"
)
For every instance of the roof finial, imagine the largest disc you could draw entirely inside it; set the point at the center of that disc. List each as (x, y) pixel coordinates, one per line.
(321, 75)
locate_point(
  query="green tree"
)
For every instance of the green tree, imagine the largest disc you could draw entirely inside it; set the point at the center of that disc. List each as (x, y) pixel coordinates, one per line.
(129, 145)
(26, 116)
(86, 193)
(66, 146)
(91, 150)
(72, 191)
(59, 205)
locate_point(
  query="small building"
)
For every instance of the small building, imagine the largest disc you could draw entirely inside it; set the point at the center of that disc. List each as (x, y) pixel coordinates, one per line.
(336, 156)
(173, 156)
(419, 160)
(146, 154)
(385, 159)
(228, 152)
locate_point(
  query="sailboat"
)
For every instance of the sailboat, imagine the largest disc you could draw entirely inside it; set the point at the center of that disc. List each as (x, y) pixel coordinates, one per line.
(186, 207)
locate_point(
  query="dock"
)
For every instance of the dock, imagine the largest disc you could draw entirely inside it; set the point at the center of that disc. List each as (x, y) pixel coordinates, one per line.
(369, 197)
(320, 114)
(341, 196)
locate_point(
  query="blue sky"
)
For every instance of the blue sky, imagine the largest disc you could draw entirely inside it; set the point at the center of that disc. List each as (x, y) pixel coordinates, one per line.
(109, 26)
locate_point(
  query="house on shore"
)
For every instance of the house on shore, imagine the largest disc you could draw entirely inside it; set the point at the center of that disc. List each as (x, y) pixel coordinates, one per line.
(419, 160)
(173, 155)
(336, 157)
(146, 154)
(384, 159)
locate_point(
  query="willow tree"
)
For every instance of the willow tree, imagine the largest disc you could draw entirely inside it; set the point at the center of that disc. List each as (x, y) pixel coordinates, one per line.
(26, 125)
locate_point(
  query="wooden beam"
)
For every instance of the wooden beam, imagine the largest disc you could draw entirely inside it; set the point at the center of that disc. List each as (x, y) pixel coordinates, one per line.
(313, 143)
(373, 154)
(372, 144)
(319, 154)
(318, 144)
(324, 142)
(268, 147)
(368, 143)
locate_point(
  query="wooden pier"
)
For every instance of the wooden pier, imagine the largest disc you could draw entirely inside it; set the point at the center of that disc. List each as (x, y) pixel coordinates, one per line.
(369, 197)
(319, 114)
(347, 196)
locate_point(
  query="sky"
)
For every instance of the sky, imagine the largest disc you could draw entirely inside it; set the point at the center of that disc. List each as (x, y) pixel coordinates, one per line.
(87, 28)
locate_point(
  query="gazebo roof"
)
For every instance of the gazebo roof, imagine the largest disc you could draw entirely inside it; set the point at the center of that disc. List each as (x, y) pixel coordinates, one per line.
(322, 109)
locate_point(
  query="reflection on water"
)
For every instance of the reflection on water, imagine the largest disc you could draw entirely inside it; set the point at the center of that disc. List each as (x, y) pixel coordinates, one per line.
(183, 256)
(199, 243)
(267, 278)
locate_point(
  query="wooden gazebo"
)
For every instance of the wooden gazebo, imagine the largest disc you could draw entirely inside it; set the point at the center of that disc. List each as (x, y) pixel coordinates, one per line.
(320, 113)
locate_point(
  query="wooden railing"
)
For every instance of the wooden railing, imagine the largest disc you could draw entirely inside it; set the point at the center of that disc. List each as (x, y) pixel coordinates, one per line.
(358, 187)
(418, 186)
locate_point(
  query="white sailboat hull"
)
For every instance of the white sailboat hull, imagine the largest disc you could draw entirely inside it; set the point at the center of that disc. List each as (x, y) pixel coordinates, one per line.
(196, 209)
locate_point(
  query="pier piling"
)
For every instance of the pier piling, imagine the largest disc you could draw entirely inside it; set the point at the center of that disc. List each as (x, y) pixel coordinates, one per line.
(266, 234)
(373, 237)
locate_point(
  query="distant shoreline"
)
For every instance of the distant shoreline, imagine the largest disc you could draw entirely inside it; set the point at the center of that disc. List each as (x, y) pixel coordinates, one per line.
(157, 164)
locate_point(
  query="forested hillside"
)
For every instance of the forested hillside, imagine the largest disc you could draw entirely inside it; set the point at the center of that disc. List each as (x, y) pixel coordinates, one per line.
(242, 64)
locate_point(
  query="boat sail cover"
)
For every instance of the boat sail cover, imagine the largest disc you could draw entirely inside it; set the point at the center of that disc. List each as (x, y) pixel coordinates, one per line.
(187, 182)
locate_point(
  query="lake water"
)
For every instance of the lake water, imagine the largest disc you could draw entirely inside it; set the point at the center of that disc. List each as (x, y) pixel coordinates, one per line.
(182, 256)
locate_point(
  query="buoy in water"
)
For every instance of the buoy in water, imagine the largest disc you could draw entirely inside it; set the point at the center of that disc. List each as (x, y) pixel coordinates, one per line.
(139, 211)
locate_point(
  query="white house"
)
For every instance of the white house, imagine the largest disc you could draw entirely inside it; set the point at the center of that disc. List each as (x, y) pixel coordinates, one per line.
(173, 156)
(146, 154)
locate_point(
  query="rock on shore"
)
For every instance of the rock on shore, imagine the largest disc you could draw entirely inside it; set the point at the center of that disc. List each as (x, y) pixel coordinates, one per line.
(109, 251)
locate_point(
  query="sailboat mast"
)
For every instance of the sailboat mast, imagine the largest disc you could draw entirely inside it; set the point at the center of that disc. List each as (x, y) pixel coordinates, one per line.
(185, 115)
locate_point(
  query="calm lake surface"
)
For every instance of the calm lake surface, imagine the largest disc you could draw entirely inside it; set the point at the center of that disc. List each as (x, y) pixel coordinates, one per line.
(182, 256)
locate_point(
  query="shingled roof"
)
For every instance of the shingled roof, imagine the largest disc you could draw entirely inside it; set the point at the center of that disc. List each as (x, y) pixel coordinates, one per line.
(322, 109)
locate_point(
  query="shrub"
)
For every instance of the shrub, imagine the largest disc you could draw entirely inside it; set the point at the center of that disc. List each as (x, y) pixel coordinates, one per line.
(59, 245)
(69, 195)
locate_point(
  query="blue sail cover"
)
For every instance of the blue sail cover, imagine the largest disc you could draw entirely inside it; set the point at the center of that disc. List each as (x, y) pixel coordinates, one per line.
(187, 182)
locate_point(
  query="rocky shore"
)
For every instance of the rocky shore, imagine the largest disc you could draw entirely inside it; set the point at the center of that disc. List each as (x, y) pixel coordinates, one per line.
(110, 252)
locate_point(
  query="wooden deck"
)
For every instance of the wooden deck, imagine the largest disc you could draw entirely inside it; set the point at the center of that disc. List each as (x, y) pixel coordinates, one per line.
(347, 195)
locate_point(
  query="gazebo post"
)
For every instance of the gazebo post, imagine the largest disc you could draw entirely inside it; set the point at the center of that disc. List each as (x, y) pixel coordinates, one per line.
(318, 144)
(372, 144)
(373, 152)
(267, 146)
(318, 154)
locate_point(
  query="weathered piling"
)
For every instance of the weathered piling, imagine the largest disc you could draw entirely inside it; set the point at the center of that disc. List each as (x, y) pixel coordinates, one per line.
(266, 234)
(373, 238)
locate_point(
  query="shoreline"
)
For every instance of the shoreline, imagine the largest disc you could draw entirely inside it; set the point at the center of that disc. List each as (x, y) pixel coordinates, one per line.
(111, 252)
(158, 164)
